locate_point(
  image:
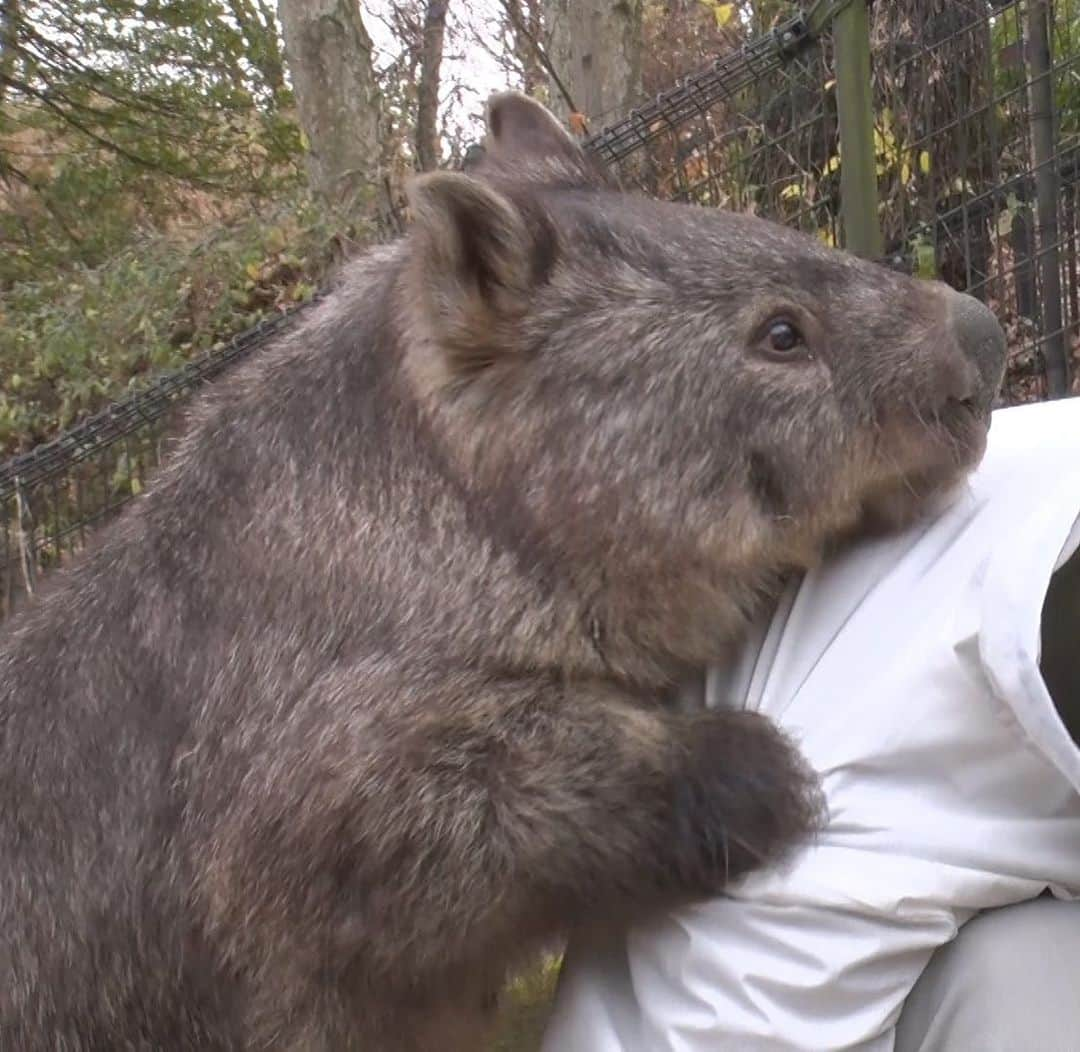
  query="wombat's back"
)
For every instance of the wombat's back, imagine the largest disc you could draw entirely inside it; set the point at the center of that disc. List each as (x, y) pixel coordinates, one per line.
(247, 567)
(95, 940)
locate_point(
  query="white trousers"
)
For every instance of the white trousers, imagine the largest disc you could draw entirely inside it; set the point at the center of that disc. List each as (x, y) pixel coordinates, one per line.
(1008, 983)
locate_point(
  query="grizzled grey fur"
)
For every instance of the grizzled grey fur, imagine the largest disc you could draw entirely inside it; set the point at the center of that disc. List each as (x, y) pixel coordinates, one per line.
(366, 697)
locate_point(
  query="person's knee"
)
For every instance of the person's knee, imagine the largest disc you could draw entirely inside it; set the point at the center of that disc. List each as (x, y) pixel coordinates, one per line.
(1007, 982)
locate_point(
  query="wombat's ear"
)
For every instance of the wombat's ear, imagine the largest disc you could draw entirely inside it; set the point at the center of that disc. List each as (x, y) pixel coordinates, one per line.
(473, 267)
(520, 126)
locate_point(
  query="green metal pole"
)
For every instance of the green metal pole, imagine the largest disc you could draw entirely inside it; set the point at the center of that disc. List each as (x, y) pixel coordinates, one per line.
(855, 103)
(1047, 195)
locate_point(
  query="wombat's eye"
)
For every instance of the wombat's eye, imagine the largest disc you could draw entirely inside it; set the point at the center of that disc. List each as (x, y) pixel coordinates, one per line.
(782, 340)
(784, 337)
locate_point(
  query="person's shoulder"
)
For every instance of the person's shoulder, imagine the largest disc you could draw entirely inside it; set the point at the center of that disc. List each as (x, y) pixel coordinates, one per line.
(1053, 424)
(1035, 441)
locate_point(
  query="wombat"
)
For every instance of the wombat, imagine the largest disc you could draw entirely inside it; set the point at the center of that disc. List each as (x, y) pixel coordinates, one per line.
(369, 694)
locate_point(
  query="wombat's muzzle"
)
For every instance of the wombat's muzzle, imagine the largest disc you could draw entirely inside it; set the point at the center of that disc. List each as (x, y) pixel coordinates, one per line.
(981, 342)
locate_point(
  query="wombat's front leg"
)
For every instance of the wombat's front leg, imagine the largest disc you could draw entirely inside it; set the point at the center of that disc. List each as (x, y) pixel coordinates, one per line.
(439, 831)
(614, 807)
(508, 812)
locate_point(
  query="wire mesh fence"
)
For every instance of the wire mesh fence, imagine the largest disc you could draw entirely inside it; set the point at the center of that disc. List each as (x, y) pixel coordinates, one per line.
(52, 496)
(767, 146)
(985, 112)
(976, 162)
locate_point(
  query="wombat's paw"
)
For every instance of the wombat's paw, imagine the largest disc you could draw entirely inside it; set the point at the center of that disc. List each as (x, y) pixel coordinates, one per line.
(743, 798)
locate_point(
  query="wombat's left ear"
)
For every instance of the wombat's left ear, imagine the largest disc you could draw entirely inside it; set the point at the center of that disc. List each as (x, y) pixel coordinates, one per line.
(474, 268)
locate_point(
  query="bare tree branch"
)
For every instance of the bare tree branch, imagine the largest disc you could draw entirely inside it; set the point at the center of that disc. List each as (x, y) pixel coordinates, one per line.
(513, 12)
(9, 28)
(8, 172)
(529, 13)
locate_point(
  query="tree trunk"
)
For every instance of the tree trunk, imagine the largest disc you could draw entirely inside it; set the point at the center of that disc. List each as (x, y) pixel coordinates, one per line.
(595, 46)
(329, 55)
(526, 20)
(428, 151)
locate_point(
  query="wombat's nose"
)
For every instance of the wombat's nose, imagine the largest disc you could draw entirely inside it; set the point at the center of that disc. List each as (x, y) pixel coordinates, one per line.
(982, 342)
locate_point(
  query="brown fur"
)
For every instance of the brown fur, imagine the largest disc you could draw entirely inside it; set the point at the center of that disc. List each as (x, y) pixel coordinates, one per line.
(366, 697)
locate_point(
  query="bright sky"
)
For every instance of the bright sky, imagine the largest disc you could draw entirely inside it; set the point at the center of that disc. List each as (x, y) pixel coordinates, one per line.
(463, 59)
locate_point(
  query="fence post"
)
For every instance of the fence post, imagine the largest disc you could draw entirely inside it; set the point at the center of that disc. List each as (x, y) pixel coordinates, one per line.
(1047, 195)
(855, 104)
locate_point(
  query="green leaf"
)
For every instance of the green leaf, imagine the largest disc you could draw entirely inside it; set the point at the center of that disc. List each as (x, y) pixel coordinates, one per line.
(723, 13)
(925, 259)
(276, 240)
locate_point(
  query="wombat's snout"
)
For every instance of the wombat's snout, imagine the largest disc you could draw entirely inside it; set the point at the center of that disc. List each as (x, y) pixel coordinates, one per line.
(981, 342)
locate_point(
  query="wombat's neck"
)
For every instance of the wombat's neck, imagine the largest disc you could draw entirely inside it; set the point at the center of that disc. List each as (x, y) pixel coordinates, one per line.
(500, 589)
(472, 573)
(480, 590)
(662, 617)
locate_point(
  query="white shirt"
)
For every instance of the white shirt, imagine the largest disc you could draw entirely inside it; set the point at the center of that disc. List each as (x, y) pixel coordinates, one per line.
(907, 671)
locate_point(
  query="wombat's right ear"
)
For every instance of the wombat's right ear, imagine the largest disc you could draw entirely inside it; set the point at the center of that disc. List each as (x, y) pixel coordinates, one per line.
(520, 126)
(472, 267)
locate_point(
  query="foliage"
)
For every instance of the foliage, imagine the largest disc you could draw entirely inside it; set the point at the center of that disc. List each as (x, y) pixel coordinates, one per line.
(73, 339)
(121, 121)
(193, 89)
(108, 107)
(528, 1001)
